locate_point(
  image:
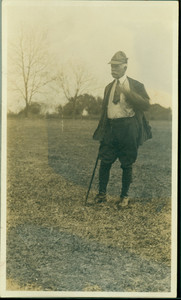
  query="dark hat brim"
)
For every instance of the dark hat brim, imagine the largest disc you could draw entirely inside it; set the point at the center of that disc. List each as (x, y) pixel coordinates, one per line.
(116, 62)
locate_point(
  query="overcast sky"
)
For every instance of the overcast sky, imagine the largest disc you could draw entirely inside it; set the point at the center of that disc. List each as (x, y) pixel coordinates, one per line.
(91, 32)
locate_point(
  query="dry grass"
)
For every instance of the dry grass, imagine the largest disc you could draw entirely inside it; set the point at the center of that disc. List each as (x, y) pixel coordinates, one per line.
(39, 194)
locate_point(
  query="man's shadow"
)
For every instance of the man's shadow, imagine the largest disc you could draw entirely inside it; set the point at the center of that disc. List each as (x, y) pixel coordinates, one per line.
(69, 153)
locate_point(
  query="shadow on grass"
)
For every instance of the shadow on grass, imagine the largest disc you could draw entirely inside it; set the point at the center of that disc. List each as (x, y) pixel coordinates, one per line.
(72, 154)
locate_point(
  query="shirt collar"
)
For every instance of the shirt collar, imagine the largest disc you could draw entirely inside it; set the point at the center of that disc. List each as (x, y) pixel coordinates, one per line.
(123, 78)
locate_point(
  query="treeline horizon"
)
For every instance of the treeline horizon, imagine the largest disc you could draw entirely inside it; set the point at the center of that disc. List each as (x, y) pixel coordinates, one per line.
(87, 107)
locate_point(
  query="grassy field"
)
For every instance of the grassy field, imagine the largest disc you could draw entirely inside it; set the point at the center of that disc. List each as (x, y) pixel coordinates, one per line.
(49, 169)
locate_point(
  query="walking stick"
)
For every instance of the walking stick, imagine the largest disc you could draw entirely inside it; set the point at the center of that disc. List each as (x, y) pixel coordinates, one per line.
(92, 179)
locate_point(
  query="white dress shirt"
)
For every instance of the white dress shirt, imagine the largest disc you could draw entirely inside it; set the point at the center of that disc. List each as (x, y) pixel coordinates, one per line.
(122, 109)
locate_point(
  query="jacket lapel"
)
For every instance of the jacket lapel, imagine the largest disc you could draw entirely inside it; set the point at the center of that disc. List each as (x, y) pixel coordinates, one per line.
(107, 92)
(132, 84)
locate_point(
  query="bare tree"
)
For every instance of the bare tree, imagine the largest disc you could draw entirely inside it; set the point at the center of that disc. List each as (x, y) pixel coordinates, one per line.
(73, 81)
(31, 67)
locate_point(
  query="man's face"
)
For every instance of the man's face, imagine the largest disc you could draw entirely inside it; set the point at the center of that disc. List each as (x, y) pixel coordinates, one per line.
(118, 71)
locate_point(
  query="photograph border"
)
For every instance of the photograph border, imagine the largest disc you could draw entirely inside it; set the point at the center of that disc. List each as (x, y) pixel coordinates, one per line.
(175, 188)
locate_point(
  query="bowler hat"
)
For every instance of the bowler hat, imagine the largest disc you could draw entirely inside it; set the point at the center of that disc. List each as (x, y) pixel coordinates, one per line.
(119, 58)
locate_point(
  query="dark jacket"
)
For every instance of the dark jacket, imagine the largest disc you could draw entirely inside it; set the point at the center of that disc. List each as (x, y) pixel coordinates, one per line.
(138, 98)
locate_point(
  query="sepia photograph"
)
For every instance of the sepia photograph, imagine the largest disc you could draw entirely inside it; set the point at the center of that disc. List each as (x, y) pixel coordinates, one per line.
(89, 149)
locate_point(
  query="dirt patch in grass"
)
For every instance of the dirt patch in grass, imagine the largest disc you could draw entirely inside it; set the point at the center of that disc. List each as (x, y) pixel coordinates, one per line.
(13, 285)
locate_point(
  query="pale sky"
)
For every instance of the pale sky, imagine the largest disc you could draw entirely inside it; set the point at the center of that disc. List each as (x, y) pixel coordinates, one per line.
(91, 32)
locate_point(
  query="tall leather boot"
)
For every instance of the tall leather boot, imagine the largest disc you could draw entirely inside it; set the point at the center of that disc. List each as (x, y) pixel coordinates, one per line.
(104, 172)
(126, 180)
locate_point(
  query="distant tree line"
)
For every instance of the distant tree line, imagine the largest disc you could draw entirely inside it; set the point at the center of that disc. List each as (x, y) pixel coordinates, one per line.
(34, 73)
(158, 112)
(87, 107)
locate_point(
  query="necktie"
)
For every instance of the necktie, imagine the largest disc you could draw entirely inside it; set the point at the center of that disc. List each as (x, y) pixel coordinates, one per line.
(117, 93)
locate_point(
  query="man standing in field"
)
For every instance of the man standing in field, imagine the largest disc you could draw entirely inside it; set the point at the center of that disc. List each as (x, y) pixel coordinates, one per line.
(122, 127)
